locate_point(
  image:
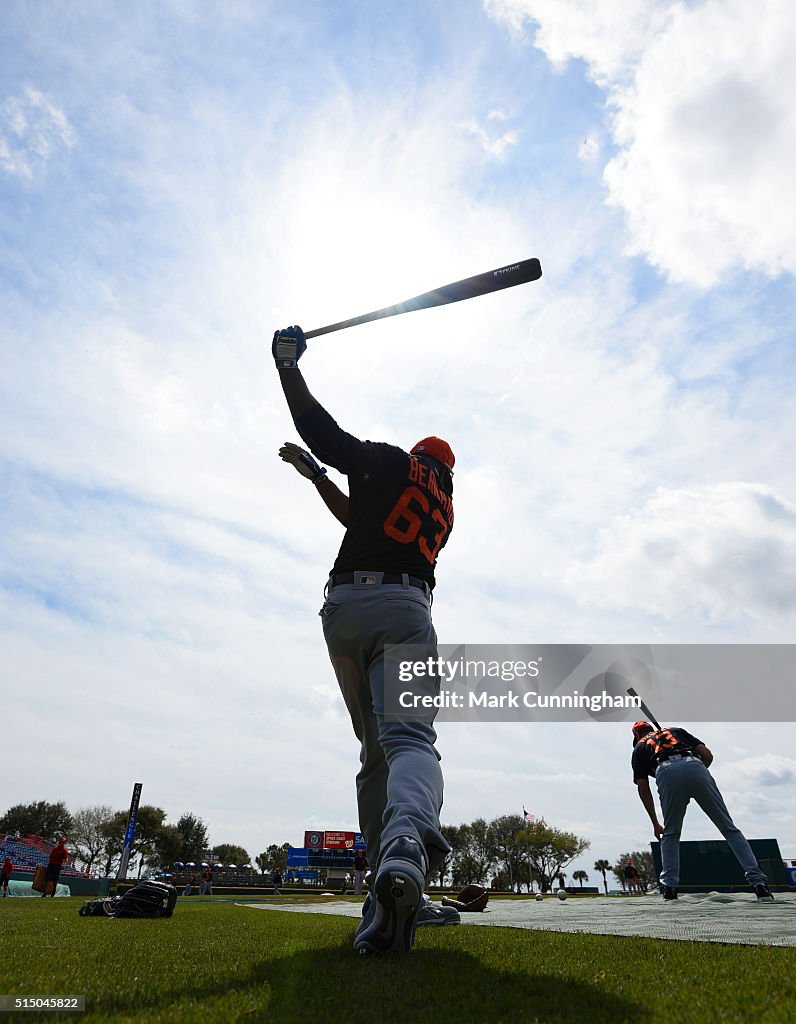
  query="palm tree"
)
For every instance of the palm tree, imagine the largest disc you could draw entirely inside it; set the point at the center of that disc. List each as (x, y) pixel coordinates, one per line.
(580, 876)
(602, 866)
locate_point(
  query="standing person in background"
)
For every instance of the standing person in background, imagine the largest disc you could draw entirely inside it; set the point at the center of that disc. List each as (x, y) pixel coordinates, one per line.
(207, 882)
(679, 764)
(5, 874)
(360, 869)
(58, 857)
(631, 877)
(276, 879)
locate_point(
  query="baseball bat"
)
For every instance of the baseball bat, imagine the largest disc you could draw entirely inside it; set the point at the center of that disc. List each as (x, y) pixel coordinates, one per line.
(644, 708)
(481, 284)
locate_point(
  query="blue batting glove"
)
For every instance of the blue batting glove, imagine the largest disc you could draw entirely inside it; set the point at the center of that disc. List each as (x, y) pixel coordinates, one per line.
(288, 347)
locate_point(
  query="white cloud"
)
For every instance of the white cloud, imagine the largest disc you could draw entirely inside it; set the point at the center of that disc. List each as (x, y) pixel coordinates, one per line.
(494, 145)
(589, 150)
(717, 551)
(605, 33)
(32, 130)
(698, 101)
(766, 770)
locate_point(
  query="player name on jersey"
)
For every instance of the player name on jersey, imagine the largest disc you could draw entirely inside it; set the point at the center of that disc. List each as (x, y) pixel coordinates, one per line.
(421, 474)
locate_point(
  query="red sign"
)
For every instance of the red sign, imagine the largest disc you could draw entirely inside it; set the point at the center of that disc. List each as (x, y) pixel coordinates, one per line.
(339, 840)
(314, 840)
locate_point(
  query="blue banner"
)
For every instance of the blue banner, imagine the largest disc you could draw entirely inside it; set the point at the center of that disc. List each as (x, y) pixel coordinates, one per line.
(130, 831)
(128, 835)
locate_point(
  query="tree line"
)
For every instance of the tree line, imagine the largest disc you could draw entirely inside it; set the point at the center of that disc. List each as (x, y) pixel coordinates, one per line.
(507, 852)
(511, 854)
(96, 836)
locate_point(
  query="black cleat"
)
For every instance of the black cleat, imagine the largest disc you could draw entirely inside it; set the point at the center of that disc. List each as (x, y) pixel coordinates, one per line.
(435, 914)
(428, 914)
(669, 892)
(396, 895)
(763, 894)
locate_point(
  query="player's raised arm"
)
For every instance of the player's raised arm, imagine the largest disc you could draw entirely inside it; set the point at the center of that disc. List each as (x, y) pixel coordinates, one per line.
(325, 439)
(287, 348)
(336, 501)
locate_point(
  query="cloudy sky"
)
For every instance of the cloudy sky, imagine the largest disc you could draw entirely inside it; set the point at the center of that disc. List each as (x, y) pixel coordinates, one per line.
(179, 179)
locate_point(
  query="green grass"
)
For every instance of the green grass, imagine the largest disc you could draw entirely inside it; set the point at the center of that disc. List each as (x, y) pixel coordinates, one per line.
(215, 962)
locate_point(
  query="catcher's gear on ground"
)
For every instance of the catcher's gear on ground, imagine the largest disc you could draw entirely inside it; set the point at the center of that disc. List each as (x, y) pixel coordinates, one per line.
(288, 347)
(147, 899)
(471, 898)
(302, 461)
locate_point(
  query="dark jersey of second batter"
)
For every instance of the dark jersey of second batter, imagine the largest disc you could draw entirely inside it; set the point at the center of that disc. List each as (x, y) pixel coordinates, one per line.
(656, 747)
(399, 518)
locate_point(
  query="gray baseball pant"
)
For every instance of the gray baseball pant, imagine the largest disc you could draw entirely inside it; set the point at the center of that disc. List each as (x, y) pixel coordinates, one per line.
(399, 784)
(678, 782)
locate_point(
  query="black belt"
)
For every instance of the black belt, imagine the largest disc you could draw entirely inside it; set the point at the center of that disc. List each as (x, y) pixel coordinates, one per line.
(677, 757)
(341, 578)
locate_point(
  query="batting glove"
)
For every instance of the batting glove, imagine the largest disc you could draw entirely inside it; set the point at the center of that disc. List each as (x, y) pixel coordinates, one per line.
(302, 461)
(288, 346)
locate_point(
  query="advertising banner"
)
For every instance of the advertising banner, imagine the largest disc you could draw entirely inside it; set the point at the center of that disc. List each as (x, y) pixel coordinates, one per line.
(339, 840)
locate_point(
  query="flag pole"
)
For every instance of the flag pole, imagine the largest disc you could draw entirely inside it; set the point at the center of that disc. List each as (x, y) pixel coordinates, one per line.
(528, 819)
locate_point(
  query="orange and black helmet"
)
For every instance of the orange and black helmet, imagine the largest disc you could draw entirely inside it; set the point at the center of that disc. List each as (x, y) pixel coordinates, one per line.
(641, 729)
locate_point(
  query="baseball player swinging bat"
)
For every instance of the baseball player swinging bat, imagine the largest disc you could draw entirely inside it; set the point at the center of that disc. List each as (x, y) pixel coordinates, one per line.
(469, 288)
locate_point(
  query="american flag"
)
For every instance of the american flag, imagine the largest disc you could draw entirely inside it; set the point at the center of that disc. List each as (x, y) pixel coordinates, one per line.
(528, 817)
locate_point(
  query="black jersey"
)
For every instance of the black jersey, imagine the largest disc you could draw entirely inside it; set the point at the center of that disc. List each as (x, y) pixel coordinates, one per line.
(655, 748)
(399, 518)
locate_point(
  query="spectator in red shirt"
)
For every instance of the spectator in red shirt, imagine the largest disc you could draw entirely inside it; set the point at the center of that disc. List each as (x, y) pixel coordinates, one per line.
(58, 856)
(5, 874)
